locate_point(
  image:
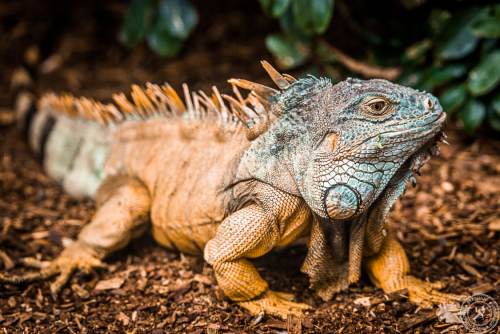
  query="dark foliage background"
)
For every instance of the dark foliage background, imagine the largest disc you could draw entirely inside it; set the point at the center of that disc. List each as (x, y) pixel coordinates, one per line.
(447, 47)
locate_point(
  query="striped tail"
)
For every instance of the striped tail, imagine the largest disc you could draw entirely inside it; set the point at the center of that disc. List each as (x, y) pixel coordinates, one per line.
(71, 150)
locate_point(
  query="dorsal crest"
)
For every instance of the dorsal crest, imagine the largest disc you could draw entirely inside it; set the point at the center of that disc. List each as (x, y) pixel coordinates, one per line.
(256, 111)
(252, 113)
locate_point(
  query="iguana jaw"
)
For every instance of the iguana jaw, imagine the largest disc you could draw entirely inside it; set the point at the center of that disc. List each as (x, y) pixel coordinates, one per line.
(424, 154)
(379, 210)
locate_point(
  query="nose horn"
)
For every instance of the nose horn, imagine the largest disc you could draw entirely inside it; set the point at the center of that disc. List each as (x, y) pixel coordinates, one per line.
(342, 202)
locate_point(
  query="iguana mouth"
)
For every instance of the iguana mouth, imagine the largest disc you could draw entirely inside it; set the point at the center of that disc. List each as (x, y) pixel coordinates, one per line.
(424, 154)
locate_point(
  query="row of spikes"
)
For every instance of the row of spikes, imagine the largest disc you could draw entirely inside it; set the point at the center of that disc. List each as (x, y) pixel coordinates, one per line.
(253, 111)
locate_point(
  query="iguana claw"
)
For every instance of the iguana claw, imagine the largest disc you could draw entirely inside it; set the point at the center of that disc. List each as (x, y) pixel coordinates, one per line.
(426, 294)
(75, 257)
(277, 304)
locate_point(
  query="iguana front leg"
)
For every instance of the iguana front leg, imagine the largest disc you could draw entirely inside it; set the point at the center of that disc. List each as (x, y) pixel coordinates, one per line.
(389, 269)
(123, 209)
(248, 233)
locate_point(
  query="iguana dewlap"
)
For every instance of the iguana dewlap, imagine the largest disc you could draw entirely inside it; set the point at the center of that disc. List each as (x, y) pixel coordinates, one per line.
(234, 179)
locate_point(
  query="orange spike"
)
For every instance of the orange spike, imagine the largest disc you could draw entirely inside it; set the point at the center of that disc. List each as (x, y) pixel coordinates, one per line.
(123, 103)
(144, 106)
(276, 76)
(236, 107)
(173, 97)
(215, 102)
(236, 92)
(187, 97)
(289, 78)
(260, 99)
(207, 101)
(217, 95)
(265, 91)
(67, 104)
(113, 112)
(151, 93)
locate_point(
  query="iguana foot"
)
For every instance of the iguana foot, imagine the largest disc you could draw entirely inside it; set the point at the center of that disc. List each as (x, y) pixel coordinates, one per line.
(75, 257)
(277, 304)
(426, 294)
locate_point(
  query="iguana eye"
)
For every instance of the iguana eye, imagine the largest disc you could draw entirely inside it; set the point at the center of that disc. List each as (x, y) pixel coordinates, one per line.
(378, 106)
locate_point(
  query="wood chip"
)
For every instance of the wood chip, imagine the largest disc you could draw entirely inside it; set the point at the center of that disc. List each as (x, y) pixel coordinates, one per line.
(482, 288)
(373, 301)
(293, 324)
(110, 284)
(494, 225)
(7, 261)
(470, 269)
(419, 319)
(123, 318)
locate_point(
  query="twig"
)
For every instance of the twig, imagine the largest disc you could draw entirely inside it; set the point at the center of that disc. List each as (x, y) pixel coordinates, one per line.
(7, 261)
(482, 288)
(393, 296)
(366, 70)
(293, 324)
(417, 320)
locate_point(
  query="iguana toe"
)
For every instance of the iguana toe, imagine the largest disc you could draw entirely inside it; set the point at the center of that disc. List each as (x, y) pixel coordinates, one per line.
(275, 304)
(75, 257)
(425, 294)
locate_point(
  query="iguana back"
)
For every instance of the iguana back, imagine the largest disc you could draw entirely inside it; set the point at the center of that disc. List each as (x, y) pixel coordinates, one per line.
(74, 137)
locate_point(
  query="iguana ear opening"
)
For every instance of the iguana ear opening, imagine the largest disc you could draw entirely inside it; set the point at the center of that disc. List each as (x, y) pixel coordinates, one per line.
(255, 110)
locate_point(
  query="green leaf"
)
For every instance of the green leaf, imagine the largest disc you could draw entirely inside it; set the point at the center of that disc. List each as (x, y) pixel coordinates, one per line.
(494, 118)
(489, 28)
(178, 17)
(289, 26)
(411, 78)
(495, 103)
(437, 76)
(472, 115)
(137, 21)
(289, 53)
(173, 24)
(324, 53)
(496, 10)
(164, 44)
(267, 6)
(454, 97)
(274, 8)
(486, 75)
(417, 51)
(456, 40)
(437, 20)
(312, 16)
(487, 46)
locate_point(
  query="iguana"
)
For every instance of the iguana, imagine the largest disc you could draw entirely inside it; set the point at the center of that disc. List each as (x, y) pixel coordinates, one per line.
(232, 177)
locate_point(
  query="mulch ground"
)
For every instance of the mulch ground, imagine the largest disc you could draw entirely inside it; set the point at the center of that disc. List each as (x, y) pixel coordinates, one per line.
(448, 224)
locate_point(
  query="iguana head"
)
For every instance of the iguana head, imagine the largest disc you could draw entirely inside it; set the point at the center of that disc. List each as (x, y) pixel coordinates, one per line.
(338, 146)
(346, 141)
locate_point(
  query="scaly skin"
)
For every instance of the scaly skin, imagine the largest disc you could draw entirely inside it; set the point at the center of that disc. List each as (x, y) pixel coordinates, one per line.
(311, 159)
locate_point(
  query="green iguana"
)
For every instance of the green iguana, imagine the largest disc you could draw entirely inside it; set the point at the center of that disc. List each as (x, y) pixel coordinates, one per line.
(232, 178)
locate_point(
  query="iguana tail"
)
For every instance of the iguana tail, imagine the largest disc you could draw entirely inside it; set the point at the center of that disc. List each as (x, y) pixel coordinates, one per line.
(72, 150)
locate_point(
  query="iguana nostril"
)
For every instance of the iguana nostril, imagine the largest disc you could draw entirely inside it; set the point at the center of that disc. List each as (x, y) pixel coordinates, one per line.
(429, 104)
(341, 202)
